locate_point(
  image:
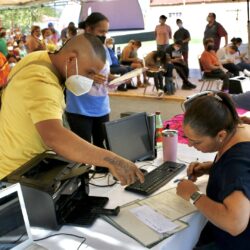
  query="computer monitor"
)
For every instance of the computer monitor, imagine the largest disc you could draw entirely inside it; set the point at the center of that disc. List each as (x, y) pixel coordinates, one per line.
(14, 226)
(130, 137)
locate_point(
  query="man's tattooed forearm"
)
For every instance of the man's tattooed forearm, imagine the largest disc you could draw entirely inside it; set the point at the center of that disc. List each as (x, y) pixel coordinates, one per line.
(114, 161)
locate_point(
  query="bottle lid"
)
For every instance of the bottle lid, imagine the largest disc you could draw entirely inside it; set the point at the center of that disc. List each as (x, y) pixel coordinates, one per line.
(158, 112)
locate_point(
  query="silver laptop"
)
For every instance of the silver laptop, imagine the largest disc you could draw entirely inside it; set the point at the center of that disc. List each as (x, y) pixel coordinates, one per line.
(15, 231)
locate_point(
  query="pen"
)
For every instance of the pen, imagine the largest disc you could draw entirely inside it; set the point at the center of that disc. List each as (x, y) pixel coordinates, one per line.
(178, 180)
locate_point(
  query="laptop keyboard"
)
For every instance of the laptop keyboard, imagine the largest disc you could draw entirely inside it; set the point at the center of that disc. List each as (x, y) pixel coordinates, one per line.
(156, 178)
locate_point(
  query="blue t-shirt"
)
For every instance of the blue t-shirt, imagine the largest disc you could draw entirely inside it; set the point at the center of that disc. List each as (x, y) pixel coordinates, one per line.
(95, 103)
(114, 59)
(230, 173)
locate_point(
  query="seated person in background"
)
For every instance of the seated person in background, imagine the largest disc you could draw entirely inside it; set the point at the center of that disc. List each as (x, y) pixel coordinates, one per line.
(243, 101)
(4, 72)
(64, 31)
(240, 59)
(71, 31)
(22, 52)
(226, 203)
(12, 60)
(129, 57)
(175, 55)
(212, 66)
(33, 42)
(158, 66)
(47, 40)
(226, 56)
(116, 67)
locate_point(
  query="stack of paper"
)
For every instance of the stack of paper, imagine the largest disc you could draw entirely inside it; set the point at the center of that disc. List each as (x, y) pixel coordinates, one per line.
(153, 219)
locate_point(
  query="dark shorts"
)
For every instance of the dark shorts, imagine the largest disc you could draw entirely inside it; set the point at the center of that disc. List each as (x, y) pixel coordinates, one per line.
(126, 63)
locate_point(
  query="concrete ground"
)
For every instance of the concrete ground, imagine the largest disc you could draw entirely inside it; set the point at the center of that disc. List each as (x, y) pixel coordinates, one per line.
(137, 101)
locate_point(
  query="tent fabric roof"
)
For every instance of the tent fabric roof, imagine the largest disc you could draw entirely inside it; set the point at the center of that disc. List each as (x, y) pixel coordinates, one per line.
(179, 2)
(10, 3)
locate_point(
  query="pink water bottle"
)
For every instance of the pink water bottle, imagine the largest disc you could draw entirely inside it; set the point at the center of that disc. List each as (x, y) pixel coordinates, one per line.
(169, 143)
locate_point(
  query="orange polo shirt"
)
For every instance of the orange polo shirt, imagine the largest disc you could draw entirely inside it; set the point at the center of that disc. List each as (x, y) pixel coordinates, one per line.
(208, 59)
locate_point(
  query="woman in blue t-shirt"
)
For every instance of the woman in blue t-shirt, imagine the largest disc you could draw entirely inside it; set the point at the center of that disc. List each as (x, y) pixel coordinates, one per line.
(211, 124)
(87, 113)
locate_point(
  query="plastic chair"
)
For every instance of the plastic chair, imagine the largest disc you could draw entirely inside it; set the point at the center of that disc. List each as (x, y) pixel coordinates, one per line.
(207, 80)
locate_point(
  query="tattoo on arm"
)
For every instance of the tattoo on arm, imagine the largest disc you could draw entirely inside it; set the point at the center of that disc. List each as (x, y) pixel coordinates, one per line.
(118, 163)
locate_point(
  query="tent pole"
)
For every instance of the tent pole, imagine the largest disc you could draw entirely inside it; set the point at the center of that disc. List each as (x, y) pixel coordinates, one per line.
(248, 28)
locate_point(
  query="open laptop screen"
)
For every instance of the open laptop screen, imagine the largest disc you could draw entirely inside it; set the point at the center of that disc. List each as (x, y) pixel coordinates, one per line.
(12, 226)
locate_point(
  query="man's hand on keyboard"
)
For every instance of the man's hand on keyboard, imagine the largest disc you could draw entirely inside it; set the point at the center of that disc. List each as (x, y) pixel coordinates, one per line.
(125, 171)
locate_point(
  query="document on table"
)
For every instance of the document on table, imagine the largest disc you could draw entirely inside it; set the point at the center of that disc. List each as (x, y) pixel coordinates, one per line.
(169, 204)
(153, 219)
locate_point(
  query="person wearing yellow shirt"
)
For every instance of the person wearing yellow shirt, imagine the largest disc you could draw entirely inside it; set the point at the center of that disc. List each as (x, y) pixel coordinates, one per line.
(33, 104)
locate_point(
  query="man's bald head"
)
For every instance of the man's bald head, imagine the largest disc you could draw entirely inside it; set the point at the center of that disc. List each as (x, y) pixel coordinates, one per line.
(81, 43)
(85, 49)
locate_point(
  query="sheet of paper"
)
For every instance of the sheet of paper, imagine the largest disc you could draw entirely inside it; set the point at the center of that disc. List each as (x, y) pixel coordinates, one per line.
(169, 204)
(153, 219)
(125, 77)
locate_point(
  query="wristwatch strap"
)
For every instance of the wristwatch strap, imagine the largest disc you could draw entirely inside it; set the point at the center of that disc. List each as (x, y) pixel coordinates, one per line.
(195, 197)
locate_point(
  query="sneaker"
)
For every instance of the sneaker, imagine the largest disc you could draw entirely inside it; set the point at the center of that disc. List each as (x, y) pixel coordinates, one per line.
(246, 72)
(130, 86)
(122, 87)
(188, 85)
(160, 92)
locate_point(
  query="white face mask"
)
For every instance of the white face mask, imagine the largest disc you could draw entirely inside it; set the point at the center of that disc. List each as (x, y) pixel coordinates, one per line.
(78, 84)
(110, 46)
(12, 65)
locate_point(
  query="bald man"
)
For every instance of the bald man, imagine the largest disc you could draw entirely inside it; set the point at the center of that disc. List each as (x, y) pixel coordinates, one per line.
(33, 104)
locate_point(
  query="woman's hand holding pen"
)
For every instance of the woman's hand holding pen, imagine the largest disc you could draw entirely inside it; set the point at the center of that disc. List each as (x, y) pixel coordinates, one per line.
(197, 169)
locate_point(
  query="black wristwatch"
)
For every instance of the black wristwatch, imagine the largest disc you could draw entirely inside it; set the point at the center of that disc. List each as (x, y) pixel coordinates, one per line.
(195, 197)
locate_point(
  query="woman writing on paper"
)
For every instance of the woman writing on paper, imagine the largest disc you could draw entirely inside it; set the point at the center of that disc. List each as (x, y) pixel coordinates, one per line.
(226, 204)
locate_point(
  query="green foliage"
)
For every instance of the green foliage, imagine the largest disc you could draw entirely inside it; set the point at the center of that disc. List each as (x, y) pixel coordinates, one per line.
(25, 17)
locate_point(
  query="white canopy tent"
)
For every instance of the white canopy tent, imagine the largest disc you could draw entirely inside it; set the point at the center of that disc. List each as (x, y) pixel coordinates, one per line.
(4, 4)
(20, 3)
(10, 3)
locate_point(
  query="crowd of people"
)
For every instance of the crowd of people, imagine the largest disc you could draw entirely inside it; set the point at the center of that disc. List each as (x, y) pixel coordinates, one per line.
(33, 104)
(222, 62)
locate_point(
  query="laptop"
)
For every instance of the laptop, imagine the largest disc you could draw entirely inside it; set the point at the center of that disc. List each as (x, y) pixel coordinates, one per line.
(15, 231)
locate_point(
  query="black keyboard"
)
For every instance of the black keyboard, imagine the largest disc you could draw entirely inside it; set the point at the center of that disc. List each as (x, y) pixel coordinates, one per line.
(156, 178)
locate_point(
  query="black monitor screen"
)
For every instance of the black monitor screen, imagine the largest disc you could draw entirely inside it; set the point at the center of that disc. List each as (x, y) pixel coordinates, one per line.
(130, 137)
